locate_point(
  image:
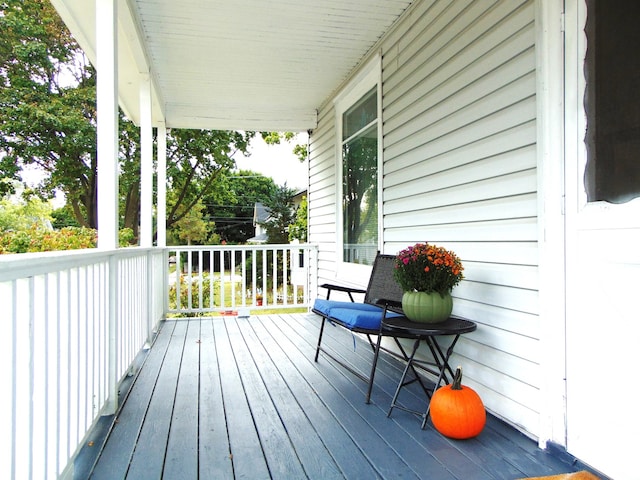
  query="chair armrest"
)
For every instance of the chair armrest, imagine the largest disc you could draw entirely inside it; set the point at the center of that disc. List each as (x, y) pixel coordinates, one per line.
(385, 302)
(339, 288)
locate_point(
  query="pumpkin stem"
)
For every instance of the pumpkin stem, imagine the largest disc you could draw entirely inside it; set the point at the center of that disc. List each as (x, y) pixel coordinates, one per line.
(457, 380)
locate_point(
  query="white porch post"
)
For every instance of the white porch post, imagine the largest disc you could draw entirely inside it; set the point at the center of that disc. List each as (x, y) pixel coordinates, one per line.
(107, 130)
(146, 164)
(162, 187)
(550, 141)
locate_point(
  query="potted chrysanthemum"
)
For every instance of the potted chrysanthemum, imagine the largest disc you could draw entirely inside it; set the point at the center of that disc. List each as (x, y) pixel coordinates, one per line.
(427, 274)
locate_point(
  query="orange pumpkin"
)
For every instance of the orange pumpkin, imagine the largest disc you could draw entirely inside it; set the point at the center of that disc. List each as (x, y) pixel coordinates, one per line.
(457, 410)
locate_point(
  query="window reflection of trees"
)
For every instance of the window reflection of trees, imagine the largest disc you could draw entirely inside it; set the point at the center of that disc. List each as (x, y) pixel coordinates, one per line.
(360, 197)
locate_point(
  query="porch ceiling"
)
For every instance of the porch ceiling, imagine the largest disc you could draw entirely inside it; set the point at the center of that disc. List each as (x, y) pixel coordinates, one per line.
(250, 65)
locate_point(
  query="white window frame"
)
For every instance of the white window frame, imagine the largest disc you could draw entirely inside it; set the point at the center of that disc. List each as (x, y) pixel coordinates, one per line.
(595, 214)
(370, 76)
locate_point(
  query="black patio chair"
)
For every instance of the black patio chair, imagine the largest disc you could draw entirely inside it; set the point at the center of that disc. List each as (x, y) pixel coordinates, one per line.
(382, 298)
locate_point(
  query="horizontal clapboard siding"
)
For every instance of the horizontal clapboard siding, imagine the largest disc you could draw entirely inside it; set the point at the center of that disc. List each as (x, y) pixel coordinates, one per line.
(459, 93)
(322, 193)
(460, 169)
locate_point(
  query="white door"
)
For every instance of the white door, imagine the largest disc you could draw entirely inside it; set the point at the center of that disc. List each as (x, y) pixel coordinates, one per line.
(603, 284)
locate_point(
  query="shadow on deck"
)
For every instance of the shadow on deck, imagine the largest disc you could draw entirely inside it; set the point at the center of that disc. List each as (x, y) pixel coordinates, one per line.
(229, 397)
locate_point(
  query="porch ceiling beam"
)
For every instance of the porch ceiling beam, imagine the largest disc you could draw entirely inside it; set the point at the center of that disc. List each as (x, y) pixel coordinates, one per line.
(240, 118)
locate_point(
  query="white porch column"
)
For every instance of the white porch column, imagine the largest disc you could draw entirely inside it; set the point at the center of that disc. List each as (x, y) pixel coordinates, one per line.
(162, 187)
(146, 164)
(551, 226)
(107, 128)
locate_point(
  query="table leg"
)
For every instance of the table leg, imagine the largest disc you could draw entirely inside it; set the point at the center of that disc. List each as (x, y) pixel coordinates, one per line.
(404, 376)
(443, 364)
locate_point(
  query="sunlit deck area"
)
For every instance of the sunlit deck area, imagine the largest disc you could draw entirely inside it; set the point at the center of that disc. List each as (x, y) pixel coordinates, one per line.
(228, 397)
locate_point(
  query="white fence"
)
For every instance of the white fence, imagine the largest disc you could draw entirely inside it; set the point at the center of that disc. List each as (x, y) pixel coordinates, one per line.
(236, 278)
(73, 323)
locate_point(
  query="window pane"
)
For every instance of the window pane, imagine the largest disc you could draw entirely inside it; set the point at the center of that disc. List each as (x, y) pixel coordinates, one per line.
(360, 197)
(612, 100)
(360, 115)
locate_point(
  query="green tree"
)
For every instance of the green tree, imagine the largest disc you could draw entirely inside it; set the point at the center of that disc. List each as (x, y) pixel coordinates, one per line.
(63, 217)
(129, 175)
(360, 192)
(23, 210)
(193, 228)
(281, 215)
(233, 212)
(197, 161)
(298, 229)
(47, 103)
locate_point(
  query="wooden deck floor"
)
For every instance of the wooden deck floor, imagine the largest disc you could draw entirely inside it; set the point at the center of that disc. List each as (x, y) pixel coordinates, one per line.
(227, 398)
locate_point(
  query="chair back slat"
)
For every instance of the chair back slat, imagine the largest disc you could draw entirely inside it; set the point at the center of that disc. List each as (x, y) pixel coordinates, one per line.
(382, 284)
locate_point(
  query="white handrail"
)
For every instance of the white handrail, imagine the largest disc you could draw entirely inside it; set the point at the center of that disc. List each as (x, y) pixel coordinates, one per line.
(75, 321)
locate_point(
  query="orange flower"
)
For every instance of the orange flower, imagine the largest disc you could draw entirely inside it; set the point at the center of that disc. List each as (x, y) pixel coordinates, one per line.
(428, 268)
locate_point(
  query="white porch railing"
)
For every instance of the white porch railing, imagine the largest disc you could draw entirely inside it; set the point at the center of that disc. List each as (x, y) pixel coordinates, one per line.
(73, 323)
(232, 278)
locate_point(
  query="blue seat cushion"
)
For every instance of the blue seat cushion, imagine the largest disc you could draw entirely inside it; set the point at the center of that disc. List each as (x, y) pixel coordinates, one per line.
(324, 307)
(356, 318)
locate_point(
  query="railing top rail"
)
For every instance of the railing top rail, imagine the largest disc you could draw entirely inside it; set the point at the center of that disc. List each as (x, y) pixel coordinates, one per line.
(22, 265)
(266, 246)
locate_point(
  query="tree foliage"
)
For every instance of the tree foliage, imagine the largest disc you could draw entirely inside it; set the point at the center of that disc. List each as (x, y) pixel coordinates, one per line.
(193, 228)
(298, 229)
(47, 102)
(281, 215)
(37, 240)
(196, 163)
(233, 212)
(24, 210)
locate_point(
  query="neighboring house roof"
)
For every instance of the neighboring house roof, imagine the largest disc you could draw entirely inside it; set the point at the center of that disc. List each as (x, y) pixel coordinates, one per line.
(260, 214)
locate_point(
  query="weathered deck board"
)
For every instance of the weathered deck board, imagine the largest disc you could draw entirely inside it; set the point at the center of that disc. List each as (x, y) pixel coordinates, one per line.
(299, 429)
(338, 445)
(117, 452)
(214, 441)
(243, 398)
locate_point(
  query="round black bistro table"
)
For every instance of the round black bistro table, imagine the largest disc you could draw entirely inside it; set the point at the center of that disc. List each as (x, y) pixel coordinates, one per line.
(427, 333)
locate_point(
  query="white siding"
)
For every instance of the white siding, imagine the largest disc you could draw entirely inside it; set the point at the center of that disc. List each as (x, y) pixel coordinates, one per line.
(459, 123)
(322, 194)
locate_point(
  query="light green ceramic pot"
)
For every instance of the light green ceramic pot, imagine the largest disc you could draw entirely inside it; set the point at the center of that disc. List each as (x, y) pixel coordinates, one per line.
(427, 307)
